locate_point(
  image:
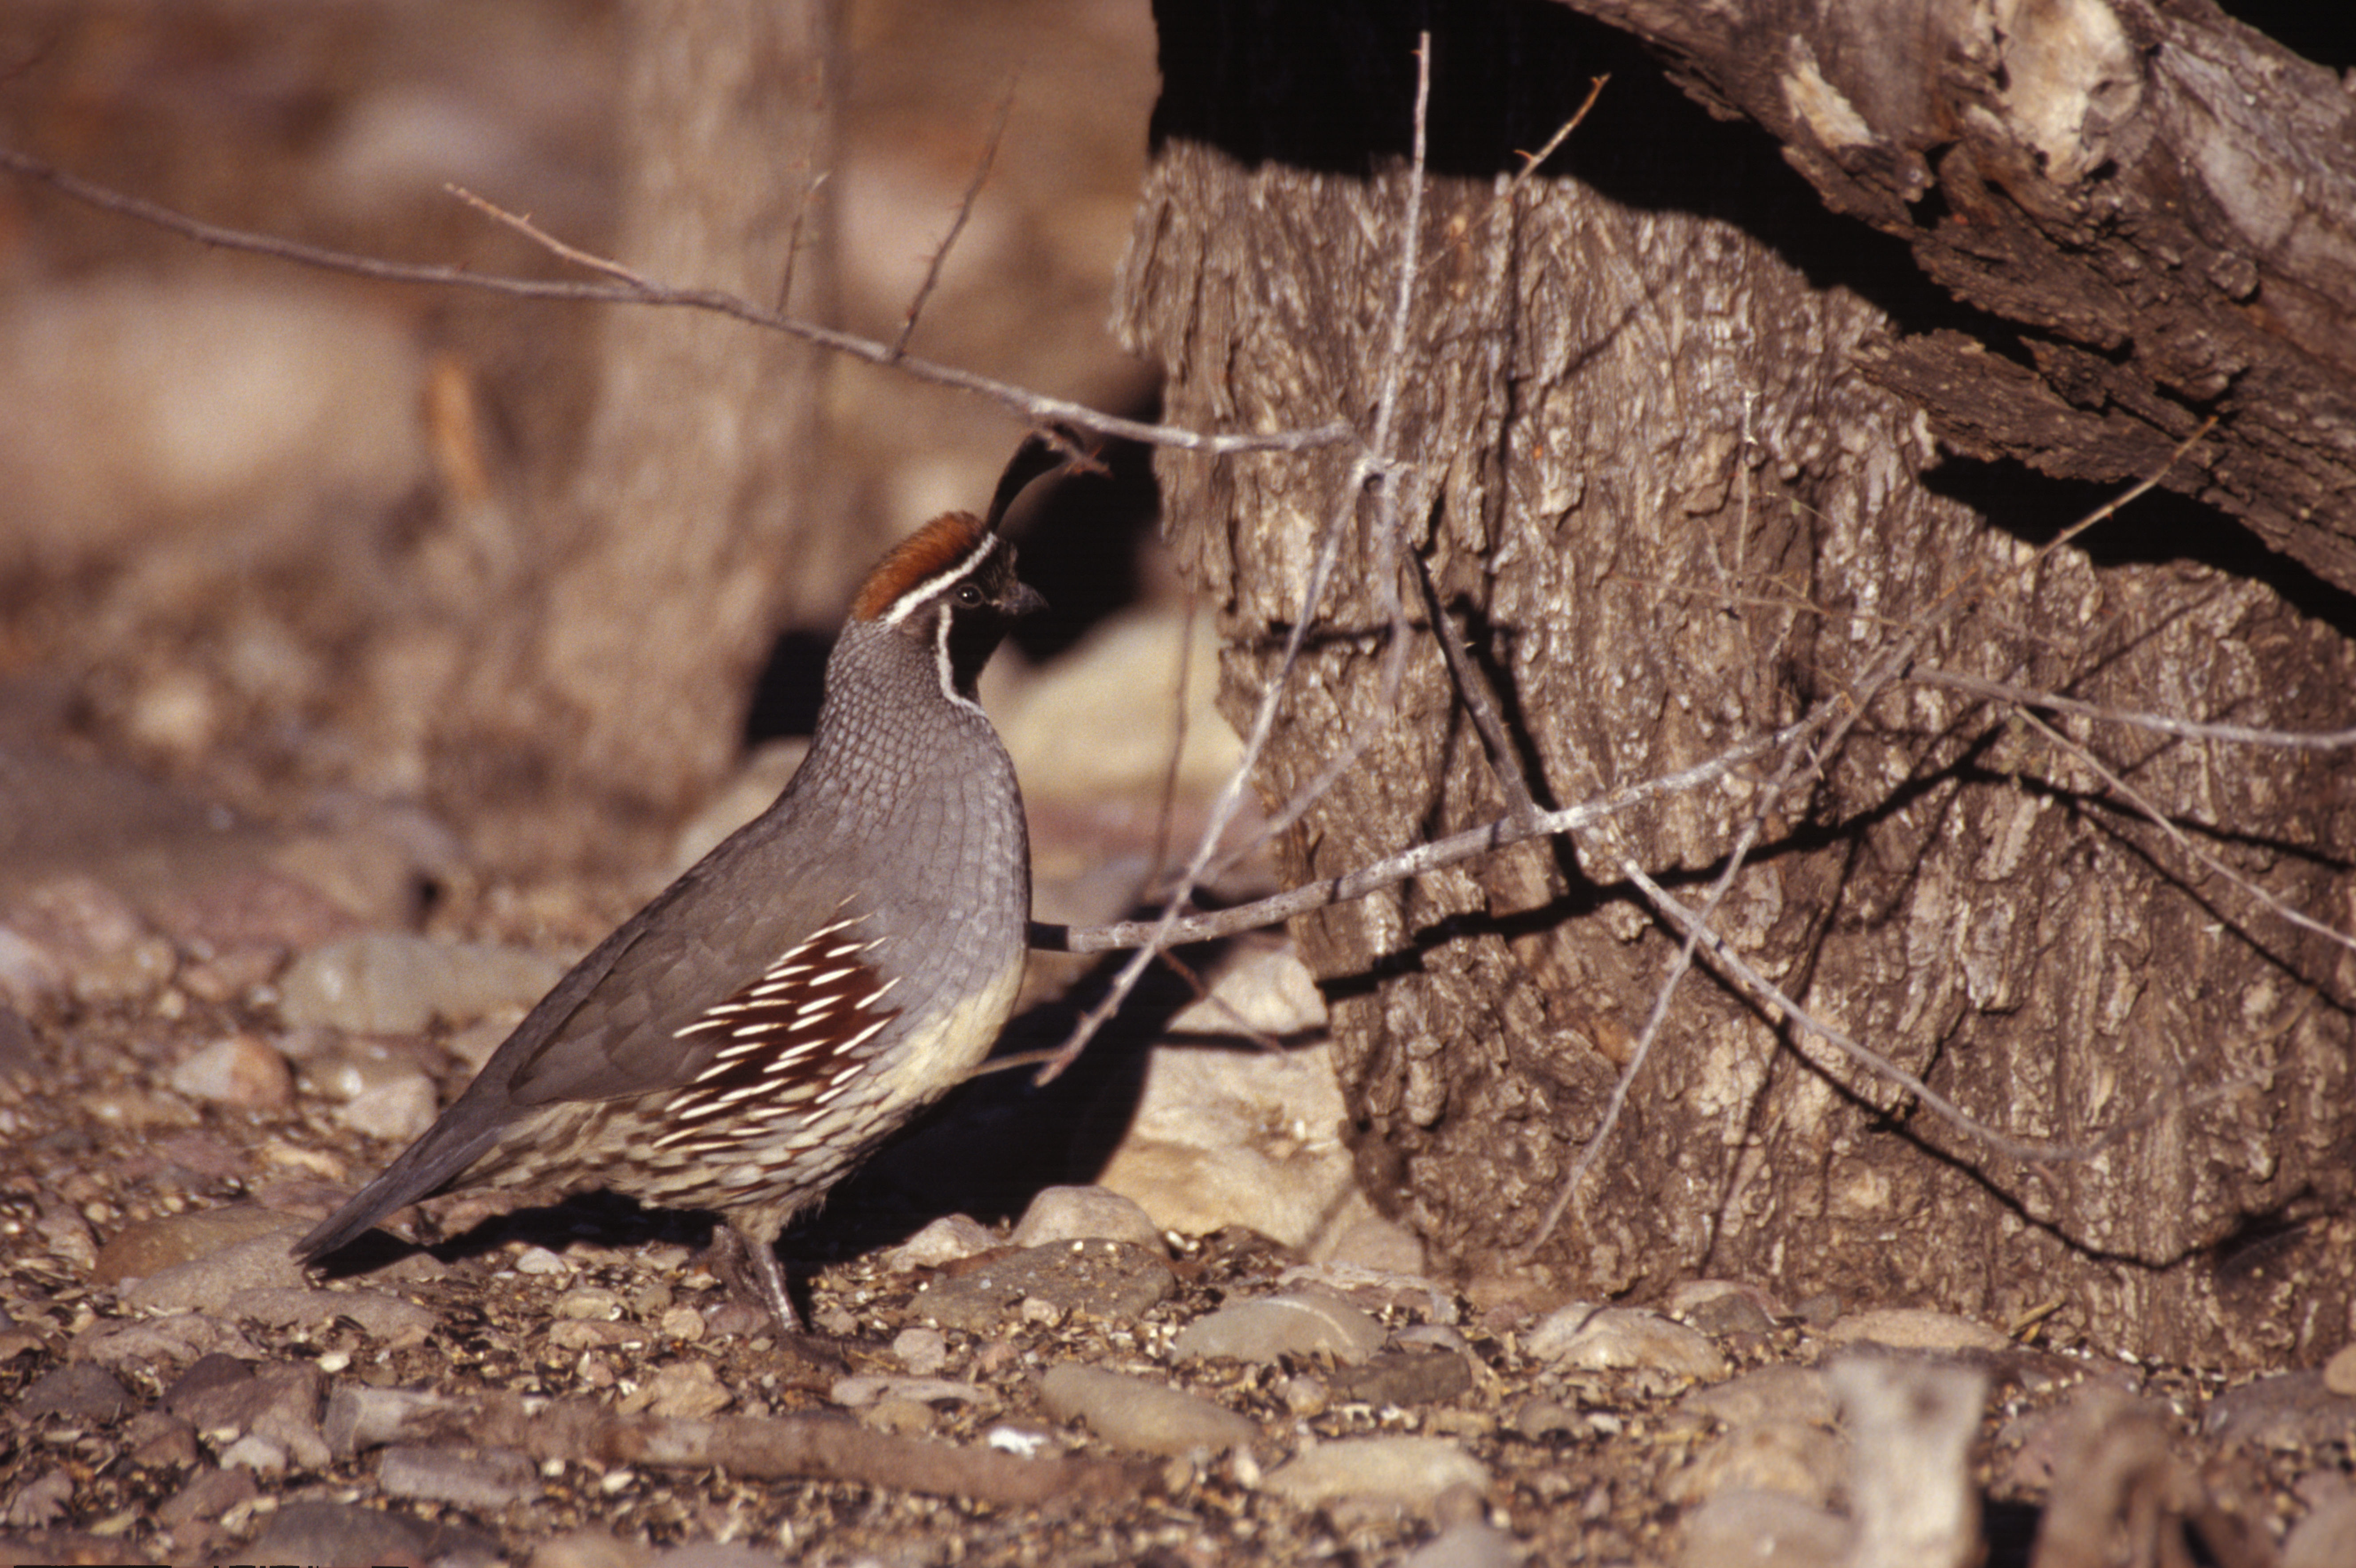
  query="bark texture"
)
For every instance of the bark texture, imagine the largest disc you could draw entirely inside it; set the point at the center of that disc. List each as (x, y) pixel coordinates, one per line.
(2155, 204)
(1667, 505)
(676, 544)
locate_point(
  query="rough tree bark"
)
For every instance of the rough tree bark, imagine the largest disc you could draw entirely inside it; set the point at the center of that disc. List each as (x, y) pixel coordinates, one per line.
(690, 523)
(1667, 505)
(2157, 202)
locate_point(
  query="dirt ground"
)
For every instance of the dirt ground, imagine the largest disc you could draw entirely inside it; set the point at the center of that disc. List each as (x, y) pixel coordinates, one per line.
(576, 1384)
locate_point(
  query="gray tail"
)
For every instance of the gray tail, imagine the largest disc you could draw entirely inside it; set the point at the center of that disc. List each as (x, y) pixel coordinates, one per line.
(424, 1168)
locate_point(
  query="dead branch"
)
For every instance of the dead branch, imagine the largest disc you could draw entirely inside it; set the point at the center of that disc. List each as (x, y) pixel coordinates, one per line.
(1377, 463)
(2194, 729)
(1421, 860)
(2176, 836)
(956, 225)
(1033, 407)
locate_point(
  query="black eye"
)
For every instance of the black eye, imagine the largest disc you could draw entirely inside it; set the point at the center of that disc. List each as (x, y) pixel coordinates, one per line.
(967, 594)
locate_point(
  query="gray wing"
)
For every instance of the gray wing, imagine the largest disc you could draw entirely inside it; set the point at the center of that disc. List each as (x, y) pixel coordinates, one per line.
(611, 1028)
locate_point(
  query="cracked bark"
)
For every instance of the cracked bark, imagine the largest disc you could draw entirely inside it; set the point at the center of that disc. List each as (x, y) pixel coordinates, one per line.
(1647, 428)
(2154, 205)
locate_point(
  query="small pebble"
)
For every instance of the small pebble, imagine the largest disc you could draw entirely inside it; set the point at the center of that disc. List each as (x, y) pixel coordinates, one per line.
(1763, 1530)
(1263, 1329)
(1599, 1338)
(924, 1351)
(903, 1417)
(1305, 1394)
(1143, 1416)
(1086, 1214)
(1915, 1328)
(681, 1389)
(397, 1111)
(2340, 1372)
(947, 1240)
(241, 1071)
(589, 1303)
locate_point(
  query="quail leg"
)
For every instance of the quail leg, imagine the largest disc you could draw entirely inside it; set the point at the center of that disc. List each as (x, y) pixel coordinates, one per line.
(769, 1280)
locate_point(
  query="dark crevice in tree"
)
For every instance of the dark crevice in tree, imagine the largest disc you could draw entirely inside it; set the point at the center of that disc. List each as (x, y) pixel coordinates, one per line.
(2325, 34)
(2162, 527)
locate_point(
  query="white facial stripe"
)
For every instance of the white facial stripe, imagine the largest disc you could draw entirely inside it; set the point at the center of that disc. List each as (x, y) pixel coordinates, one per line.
(906, 603)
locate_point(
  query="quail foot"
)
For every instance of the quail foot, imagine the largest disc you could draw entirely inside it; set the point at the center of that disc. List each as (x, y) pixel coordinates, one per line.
(838, 964)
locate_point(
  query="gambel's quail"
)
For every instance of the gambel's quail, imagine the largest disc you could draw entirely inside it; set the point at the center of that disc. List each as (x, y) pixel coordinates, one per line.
(838, 964)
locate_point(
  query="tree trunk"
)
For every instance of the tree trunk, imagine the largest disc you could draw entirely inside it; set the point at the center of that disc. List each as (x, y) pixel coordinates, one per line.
(690, 524)
(2158, 203)
(1667, 507)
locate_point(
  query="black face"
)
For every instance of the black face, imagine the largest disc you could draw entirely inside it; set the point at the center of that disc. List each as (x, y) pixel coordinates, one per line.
(977, 610)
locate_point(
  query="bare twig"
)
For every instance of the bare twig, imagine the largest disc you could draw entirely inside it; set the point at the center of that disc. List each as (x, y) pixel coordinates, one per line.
(956, 225)
(1032, 407)
(793, 239)
(1823, 730)
(2176, 836)
(2242, 735)
(522, 224)
(1379, 716)
(1423, 859)
(1375, 462)
(1531, 164)
(1792, 602)
(1230, 799)
(1504, 757)
(1723, 958)
(1165, 820)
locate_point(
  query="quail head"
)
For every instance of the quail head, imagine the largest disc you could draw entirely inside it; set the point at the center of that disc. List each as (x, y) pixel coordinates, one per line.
(751, 1035)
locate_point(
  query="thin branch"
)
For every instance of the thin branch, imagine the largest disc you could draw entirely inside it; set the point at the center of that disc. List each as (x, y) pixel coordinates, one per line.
(1822, 731)
(1378, 717)
(1230, 799)
(1531, 164)
(1504, 757)
(1165, 820)
(2242, 735)
(1680, 966)
(1722, 596)
(793, 239)
(2180, 839)
(1391, 870)
(1031, 406)
(1375, 462)
(522, 224)
(1728, 963)
(956, 225)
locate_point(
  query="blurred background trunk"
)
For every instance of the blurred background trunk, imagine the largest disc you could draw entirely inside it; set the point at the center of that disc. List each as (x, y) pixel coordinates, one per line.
(692, 516)
(1665, 505)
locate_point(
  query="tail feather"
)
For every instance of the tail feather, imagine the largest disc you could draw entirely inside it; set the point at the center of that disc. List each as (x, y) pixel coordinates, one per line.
(424, 1168)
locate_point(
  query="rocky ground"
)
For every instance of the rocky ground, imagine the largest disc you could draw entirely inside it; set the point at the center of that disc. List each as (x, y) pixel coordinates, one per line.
(1142, 1317)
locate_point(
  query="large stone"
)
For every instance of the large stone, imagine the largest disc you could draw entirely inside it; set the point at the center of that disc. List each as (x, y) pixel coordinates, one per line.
(1271, 1326)
(1135, 1413)
(390, 982)
(1238, 1137)
(1410, 1473)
